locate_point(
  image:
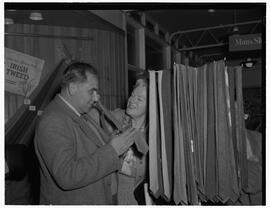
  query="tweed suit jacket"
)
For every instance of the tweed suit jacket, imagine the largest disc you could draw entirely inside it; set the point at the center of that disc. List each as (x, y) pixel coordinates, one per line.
(75, 168)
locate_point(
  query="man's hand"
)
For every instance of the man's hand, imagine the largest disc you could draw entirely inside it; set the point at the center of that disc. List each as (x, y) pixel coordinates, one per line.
(123, 141)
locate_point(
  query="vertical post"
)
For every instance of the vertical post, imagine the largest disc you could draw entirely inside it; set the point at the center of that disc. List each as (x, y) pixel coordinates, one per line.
(167, 37)
(178, 58)
(140, 43)
(167, 57)
(143, 19)
(156, 28)
(125, 54)
(186, 59)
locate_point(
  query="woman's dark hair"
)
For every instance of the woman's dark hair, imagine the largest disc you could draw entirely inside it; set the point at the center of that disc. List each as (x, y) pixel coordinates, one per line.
(142, 79)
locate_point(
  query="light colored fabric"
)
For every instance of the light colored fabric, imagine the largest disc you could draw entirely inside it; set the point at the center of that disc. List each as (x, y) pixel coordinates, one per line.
(153, 171)
(69, 105)
(147, 196)
(129, 163)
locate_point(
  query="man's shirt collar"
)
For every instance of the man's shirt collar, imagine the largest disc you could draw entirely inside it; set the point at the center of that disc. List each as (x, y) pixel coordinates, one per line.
(69, 105)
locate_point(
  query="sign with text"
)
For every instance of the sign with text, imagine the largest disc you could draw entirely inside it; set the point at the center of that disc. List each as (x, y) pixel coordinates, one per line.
(245, 42)
(22, 72)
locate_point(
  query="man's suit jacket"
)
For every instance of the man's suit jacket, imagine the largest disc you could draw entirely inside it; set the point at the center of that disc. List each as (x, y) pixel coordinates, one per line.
(75, 168)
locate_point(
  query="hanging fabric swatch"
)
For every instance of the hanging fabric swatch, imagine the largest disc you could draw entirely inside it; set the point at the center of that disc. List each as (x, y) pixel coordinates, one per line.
(234, 181)
(164, 94)
(225, 157)
(188, 142)
(180, 193)
(155, 175)
(197, 133)
(211, 176)
(241, 131)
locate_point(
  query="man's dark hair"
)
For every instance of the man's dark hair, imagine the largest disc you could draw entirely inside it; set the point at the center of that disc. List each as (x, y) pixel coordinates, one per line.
(76, 72)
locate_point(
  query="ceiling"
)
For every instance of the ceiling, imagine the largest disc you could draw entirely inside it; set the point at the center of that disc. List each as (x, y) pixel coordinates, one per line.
(187, 19)
(172, 17)
(65, 18)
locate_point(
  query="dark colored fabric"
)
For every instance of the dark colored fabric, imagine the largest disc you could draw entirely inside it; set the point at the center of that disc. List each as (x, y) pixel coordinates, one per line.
(225, 157)
(141, 143)
(180, 194)
(254, 177)
(205, 124)
(199, 104)
(18, 192)
(103, 123)
(184, 121)
(255, 140)
(241, 130)
(185, 111)
(139, 193)
(16, 158)
(75, 167)
(105, 137)
(213, 134)
(221, 136)
(233, 180)
(211, 180)
(167, 115)
(232, 91)
(160, 191)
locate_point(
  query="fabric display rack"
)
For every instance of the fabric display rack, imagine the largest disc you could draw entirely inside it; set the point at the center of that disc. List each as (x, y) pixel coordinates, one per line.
(197, 146)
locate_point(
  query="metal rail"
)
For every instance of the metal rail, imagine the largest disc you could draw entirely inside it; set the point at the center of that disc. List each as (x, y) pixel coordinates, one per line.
(47, 36)
(213, 28)
(201, 47)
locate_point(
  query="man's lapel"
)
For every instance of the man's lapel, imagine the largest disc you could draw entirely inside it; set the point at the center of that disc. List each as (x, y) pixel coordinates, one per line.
(80, 121)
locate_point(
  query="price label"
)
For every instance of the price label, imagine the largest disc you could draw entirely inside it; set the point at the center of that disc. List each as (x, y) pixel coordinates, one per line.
(27, 101)
(39, 113)
(32, 108)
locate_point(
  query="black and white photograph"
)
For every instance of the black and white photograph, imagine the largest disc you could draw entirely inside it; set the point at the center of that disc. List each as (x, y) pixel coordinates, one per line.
(134, 103)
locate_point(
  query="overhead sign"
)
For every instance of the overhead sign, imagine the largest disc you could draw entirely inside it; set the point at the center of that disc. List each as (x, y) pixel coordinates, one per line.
(245, 42)
(22, 72)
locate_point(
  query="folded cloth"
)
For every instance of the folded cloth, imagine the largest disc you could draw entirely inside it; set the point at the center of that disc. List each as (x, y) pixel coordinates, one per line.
(140, 142)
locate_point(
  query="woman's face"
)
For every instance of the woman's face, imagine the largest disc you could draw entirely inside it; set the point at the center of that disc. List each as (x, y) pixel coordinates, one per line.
(137, 102)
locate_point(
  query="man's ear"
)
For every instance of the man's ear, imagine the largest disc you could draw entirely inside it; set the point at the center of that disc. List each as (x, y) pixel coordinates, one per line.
(72, 88)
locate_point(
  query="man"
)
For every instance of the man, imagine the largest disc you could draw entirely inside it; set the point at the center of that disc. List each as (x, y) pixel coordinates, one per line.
(76, 162)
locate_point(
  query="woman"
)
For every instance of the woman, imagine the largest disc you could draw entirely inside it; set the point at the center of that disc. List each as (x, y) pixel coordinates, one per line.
(134, 165)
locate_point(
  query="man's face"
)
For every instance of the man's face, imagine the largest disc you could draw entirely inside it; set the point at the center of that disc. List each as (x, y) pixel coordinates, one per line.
(137, 102)
(84, 94)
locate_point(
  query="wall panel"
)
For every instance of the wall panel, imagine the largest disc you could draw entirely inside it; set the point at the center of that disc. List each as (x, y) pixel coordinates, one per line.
(105, 52)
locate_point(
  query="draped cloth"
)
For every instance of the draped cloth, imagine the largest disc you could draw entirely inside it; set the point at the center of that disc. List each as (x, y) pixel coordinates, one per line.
(180, 193)
(160, 134)
(188, 141)
(211, 176)
(155, 176)
(241, 131)
(164, 91)
(209, 159)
